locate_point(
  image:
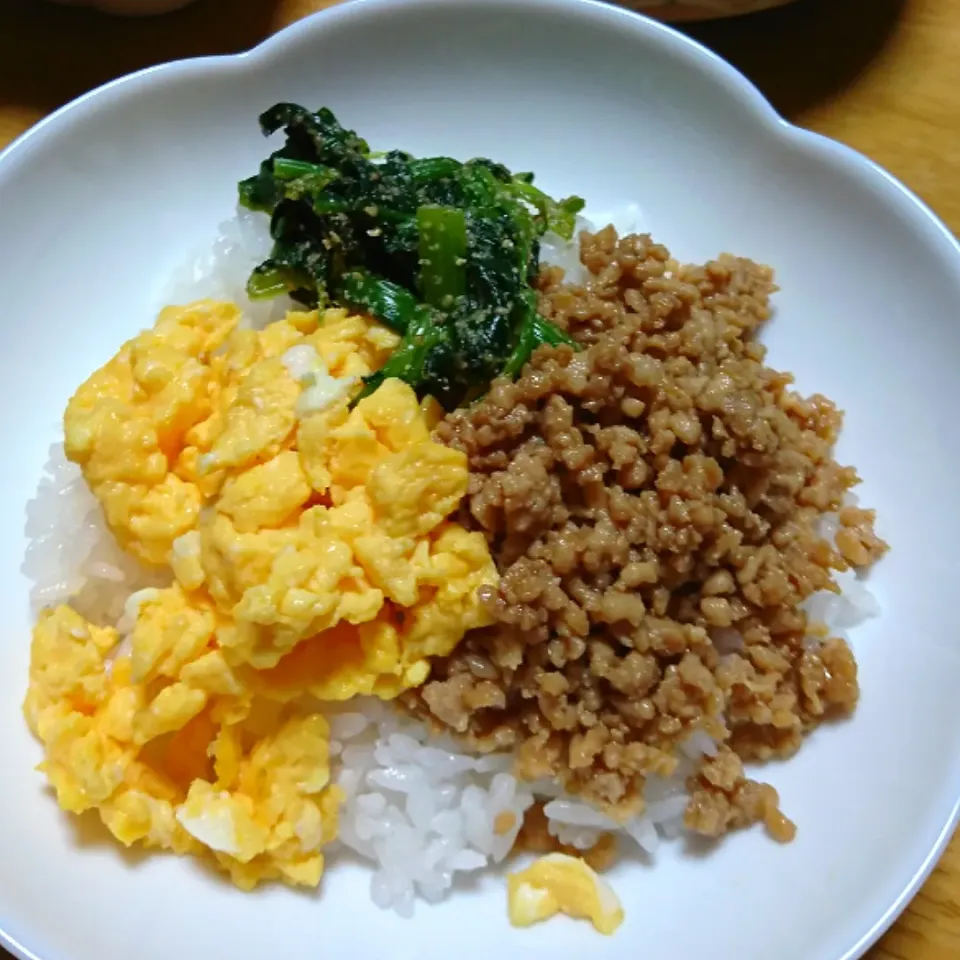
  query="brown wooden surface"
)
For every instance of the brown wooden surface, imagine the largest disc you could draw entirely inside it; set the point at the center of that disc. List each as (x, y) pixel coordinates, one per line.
(881, 75)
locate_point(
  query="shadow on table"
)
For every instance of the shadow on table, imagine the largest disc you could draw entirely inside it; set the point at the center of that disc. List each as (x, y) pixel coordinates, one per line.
(806, 52)
(51, 54)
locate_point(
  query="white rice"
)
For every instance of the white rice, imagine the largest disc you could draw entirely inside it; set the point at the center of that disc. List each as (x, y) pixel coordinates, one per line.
(220, 271)
(561, 253)
(421, 812)
(71, 553)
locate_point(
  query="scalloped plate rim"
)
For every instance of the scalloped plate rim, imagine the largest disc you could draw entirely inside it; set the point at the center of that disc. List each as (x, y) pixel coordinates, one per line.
(696, 56)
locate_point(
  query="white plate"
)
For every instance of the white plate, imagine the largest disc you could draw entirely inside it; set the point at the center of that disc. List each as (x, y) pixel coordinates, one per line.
(101, 201)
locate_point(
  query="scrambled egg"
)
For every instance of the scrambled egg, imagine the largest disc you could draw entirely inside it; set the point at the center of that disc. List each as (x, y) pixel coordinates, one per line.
(311, 559)
(558, 883)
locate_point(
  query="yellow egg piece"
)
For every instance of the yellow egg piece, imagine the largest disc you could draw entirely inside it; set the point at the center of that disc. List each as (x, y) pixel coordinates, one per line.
(170, 748)
(128, 423)
(186, 406)
(558, 883)
(312, 559)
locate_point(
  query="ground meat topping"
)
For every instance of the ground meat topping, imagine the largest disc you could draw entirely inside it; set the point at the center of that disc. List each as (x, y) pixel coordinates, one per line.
(653, 503)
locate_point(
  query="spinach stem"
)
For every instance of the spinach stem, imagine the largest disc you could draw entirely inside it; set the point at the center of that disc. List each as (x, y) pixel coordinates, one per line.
(443, 255)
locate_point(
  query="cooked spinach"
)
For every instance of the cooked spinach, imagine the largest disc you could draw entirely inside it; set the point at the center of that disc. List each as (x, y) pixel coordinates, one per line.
(444, 252)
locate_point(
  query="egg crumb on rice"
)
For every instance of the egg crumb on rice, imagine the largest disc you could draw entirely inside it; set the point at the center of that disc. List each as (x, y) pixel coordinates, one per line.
(311, 560)
(560, 883)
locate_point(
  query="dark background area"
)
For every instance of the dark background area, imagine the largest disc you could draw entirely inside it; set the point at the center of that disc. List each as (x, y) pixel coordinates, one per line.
(799, 54)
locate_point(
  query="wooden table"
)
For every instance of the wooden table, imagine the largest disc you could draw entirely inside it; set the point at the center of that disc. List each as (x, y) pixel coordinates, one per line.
(880, 75)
